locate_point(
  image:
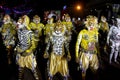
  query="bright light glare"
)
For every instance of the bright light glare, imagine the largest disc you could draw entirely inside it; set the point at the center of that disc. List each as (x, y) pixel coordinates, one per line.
(78, 7)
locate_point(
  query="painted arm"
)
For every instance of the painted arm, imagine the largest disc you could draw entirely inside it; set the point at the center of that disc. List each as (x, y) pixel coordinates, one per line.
(77, 46)
(109, 34)
(46, 54)
(32, 47)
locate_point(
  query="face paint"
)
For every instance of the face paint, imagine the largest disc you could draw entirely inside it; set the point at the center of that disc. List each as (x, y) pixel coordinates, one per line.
(91, 26)
(58, 29)
(118, 22)
(36, 21)
(103, 19)
(68, 19)
(21, 26)
(50, 21)
(57, 32)
(5, 21)
(19, 21)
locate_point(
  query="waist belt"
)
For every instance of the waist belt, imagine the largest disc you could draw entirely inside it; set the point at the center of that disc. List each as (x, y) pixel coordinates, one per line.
(88, 51)
(25, 54)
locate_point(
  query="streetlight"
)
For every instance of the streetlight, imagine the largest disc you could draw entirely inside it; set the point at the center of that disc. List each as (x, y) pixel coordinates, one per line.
(78, 7)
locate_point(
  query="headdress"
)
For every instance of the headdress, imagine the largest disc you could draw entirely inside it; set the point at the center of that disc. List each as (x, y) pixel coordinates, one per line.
(103, 18)
(59, 27)
(26, 21)
(91, 20)
(7, 18)
(36, 17)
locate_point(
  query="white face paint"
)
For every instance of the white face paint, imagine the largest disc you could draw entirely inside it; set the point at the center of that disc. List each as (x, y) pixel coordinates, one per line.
(91, 27)
(36, 21)
(103, 19)
(19, 21)
(21, 26)
(50, 21)
(118, 22)
(5, 21)
(58, 32)
(68, 19)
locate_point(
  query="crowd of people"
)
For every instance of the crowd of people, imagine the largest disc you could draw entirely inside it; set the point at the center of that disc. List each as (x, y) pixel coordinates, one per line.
(59, 41)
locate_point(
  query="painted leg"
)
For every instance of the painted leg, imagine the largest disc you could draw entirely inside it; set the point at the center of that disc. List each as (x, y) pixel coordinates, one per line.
(9, 58)
(9, 55)
(20, 74)
(111, 55)
(83, 75)
(35, 73)
(50, 78)
(65, 78)
(115, 56)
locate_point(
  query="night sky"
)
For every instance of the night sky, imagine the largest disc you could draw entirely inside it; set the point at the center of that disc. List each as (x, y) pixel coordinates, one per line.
(38, 6)
(51, 4)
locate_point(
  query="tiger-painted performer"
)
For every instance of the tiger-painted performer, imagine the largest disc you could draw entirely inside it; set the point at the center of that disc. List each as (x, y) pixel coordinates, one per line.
(25, 48)
(103, 31)
(59, 53)
(48, 29)
(36, 26)
(86, 47)
(113, 40)
(8, 32)
(69, 27)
